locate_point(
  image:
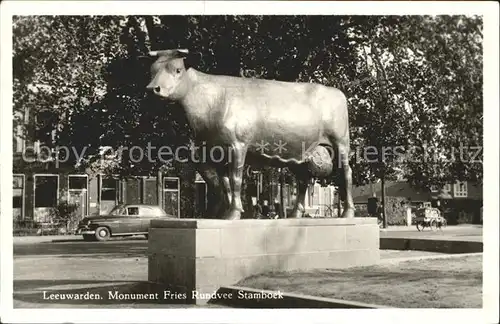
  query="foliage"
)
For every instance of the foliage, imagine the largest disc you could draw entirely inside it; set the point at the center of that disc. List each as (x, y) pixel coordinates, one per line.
(396, 210)
(411, 81)
(64, 213)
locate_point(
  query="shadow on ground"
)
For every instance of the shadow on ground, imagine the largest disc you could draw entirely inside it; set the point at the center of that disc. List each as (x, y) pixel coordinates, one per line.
(109, 249)
(113, 239)
(421, 284)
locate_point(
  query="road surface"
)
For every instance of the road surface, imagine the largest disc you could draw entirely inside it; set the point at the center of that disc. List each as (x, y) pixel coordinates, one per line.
(69, 265)
(109, 270)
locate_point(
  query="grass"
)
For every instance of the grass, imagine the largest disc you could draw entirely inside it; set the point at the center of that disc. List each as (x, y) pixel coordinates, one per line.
(438, 283)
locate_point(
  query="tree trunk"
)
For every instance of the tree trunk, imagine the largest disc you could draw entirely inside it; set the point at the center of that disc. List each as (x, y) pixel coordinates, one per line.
(384, 215)
(151, 39)
(339, 203)
(282, 197)
(159, 188)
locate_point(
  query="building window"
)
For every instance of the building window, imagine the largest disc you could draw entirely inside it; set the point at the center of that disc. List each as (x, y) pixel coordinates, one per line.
(171, 196)
(460, 189)
(109, 189)
(19, 138)
(317, 194)
(434, 188)
(18, 196)
(46, 190)
(314, 192)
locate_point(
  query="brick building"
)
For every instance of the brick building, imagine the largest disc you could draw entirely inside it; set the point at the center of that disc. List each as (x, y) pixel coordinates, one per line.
(39, 184)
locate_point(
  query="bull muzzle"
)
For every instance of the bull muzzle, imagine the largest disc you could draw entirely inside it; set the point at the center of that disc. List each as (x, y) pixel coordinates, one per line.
(154, 89)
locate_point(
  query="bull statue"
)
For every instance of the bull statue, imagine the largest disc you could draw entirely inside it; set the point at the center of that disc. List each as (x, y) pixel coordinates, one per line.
(300, 126)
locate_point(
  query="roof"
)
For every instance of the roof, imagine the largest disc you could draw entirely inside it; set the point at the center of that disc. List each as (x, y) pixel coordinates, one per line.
(392, 189)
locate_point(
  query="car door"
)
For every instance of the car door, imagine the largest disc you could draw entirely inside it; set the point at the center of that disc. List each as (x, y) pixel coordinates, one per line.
(116, 220)
(134, 220)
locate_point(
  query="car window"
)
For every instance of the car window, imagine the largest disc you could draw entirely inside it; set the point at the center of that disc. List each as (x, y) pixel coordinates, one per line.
(118, 210)
(133, 211)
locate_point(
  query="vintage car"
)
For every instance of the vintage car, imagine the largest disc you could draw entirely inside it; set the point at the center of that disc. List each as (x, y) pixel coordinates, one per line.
(123, 220)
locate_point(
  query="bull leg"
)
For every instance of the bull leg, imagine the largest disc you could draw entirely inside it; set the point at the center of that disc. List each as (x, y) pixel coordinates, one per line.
(226, 183)
(346, 185)
(236, 164)
(215, 199)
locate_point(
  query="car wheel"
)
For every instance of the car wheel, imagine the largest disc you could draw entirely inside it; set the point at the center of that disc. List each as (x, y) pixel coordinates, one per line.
(88, 238)
(102, 234)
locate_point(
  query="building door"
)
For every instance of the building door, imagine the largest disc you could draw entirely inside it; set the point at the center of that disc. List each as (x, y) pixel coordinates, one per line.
(171, 196)
(150, 191)
(109, 195)
(78, 193)
(133, 191)
(46, 196)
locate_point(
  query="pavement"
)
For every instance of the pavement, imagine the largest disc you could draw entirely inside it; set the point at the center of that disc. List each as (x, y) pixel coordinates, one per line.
(470, 233)
(465, 232)
(63, 238)
(68, 265)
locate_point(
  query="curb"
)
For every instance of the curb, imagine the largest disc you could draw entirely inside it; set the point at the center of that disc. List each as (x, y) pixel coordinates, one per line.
(430, 245)
(403, 228)
(236, 298)
(428, 257)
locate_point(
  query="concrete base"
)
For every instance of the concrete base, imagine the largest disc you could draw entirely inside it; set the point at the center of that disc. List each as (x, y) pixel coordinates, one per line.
(191, 257)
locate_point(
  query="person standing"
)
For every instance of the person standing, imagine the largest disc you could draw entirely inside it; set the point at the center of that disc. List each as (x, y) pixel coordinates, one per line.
(265, 209)
(277, 208)
(258, 210)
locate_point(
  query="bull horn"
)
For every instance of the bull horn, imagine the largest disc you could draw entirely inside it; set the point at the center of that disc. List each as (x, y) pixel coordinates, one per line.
(174, 53)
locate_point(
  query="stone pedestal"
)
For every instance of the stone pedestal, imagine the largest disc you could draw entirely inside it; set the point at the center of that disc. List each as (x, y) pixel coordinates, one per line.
(201, 255)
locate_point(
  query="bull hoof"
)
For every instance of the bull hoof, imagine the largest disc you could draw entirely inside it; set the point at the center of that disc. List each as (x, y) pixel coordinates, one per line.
(348, 213)
(233, 214)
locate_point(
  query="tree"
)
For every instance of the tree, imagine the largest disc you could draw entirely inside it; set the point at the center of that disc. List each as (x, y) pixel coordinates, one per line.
(411, 81)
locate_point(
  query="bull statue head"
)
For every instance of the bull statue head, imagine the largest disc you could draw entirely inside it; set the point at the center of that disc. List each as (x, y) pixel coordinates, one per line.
(168, 74)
